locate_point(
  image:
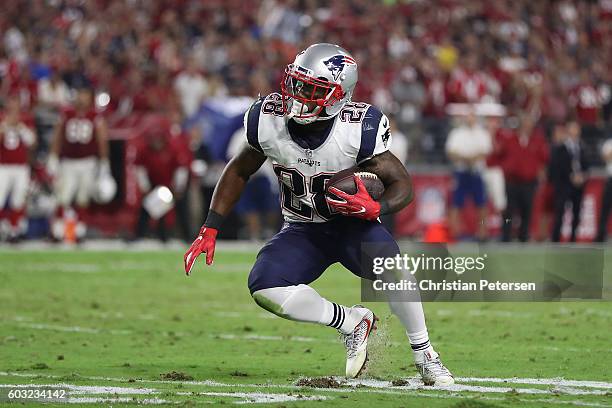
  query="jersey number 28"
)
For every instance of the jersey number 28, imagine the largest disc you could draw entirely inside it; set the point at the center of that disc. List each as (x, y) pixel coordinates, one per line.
(294, 188)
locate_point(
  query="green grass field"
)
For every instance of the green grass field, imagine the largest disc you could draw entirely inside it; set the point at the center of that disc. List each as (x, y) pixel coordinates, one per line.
(114, 326)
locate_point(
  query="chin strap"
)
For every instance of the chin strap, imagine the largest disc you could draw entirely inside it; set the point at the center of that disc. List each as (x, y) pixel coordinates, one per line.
(298, 108)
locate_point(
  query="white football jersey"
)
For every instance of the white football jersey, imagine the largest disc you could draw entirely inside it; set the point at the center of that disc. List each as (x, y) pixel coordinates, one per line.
(359, 132)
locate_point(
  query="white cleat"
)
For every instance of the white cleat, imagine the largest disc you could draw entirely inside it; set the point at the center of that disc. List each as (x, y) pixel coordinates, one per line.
(432, 371)
(356, 342)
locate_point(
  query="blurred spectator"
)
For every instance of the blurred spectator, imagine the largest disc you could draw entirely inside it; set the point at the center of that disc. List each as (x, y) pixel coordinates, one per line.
(400, 144)
(137, 53)
(23, 87)
(17, 140)
(53, 93)
(409, 93)
(468, 51)
(606, 197)
(158, 164)
(191, 89)
(160, 95)
(524, 158)
(130, 98)
(568, 170)
(78, 157)
(180, 143)
(493, 175)
(467, 148)
(435, 122)
(53, 96)
(467, 83)
(586, 100)
(547, 209)
(216, 123)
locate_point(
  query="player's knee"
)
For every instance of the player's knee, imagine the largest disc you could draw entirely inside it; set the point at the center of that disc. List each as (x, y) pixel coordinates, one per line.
(263, 276)
(268, 299)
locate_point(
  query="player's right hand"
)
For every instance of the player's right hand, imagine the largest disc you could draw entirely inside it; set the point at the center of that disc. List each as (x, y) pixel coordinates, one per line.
(205, 242)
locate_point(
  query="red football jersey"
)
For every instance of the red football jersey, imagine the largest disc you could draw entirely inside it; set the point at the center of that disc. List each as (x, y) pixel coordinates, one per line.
(159, 164)
(15, 140)
(465, 86)
(587, 103)
(79, 137)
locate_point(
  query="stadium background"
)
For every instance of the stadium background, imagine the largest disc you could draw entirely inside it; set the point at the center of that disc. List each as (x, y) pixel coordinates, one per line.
(199, 64)
(117, 323)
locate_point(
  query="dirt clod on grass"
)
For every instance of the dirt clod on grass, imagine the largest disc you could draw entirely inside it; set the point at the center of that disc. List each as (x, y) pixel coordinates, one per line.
(399, 382)
(318, 382)
(176, 376)
(473, 404)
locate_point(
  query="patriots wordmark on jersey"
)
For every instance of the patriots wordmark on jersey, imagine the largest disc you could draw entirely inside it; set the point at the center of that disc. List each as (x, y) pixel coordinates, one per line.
(359, 132)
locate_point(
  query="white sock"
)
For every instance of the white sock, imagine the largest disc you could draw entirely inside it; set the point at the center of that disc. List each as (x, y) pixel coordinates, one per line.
(419, 341)
(302, 303)
(413, 319)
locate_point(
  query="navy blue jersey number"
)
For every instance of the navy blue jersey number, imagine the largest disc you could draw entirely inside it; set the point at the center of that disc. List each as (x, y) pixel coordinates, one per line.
(293, 188)
(353, 112)
(273, 106)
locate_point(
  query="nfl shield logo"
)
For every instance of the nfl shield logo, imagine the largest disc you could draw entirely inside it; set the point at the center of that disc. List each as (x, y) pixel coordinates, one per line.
(309, 153)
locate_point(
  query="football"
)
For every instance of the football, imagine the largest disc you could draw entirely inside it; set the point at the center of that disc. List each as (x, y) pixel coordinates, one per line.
(344, 181)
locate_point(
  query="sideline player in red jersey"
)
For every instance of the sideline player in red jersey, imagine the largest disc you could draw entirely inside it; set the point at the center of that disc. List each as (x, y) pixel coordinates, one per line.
(78, 156)
(17, 139)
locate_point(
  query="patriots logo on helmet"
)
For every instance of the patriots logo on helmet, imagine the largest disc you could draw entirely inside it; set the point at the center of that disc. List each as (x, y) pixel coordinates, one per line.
(337, 63)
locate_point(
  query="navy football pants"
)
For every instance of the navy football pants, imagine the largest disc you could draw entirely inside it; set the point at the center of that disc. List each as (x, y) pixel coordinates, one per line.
(300, 252)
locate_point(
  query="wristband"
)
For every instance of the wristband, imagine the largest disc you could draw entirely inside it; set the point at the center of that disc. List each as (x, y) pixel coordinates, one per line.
(213, 220)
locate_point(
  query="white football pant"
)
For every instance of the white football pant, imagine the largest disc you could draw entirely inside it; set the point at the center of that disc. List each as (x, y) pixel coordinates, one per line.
(75, 180)
(14, 180)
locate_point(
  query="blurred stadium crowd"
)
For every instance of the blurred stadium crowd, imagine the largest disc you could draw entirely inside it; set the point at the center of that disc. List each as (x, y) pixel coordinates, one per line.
(115, 108)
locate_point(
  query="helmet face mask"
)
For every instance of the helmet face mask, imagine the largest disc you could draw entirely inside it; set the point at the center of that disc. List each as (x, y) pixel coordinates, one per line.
(318, 83)
(311, 94)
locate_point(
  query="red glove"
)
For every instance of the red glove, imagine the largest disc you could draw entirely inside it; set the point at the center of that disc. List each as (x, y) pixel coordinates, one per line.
(360, 204)
(205, 242)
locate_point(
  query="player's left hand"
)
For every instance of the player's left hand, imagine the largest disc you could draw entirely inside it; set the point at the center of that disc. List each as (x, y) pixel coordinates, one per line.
(360, 204)
(205, 242)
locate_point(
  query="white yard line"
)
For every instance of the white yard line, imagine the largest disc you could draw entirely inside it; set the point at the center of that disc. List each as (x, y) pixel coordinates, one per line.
(260, 397)
(210, 383)
(366, 386)
(540, 381)
(74, 329)
(93, 394)
(417, 384)
(570, 387)
(87, 389)
(113, 400)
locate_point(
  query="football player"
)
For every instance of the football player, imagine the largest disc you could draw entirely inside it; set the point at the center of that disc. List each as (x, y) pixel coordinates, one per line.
(309, 132)
(17, 139)
(78, 157)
